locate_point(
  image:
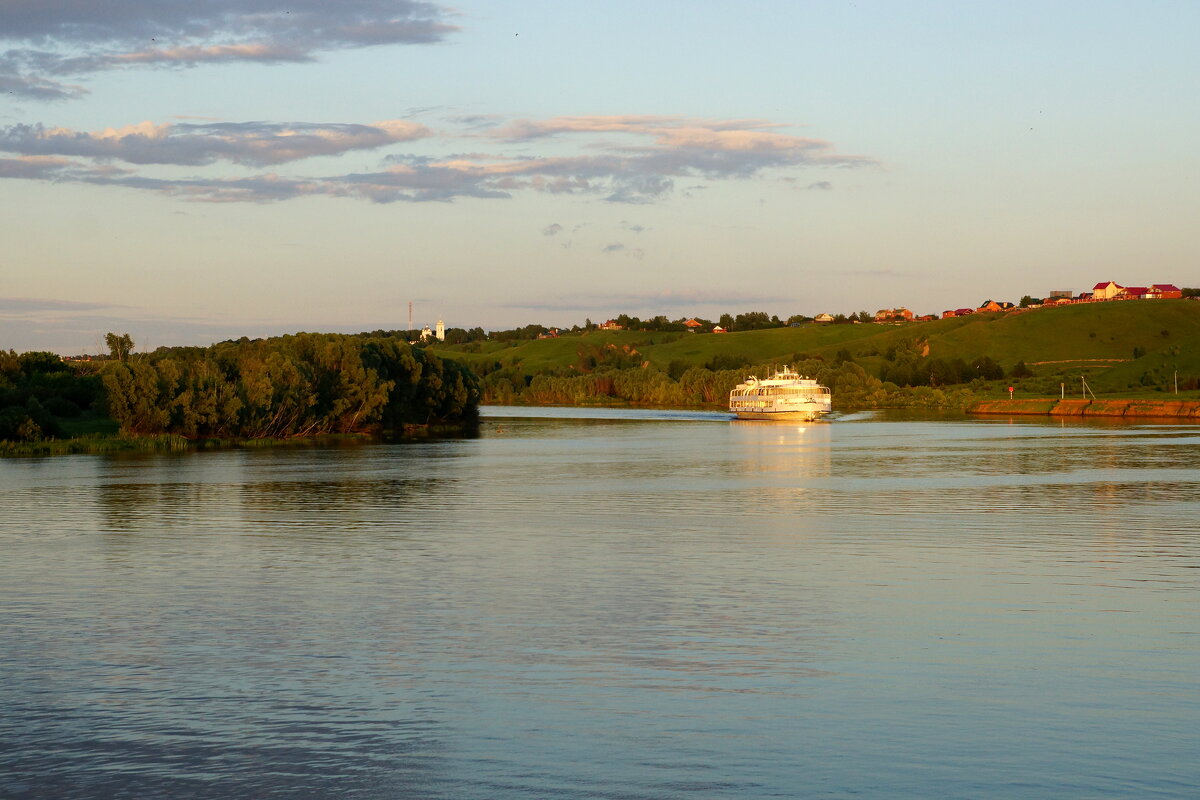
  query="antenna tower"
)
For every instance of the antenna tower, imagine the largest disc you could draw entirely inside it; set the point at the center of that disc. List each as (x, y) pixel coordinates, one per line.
(410, 327)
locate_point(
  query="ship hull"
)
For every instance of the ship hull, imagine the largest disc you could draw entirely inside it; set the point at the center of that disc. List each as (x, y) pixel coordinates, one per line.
(782, 416)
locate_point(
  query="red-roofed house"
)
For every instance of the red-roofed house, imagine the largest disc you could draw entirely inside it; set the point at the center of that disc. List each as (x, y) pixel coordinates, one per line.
(1106, 291)
(692, 324)
(1166, 291)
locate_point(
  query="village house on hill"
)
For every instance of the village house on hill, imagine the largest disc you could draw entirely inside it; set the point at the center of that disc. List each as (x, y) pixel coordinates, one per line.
(611, 325)
(1156, 291)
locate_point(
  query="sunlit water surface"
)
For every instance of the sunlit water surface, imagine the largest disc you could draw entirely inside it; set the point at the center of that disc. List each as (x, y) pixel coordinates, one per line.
(611, 604)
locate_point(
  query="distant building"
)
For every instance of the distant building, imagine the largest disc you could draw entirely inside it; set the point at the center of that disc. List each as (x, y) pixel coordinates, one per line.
(1106, 291)
(692, 324)
(441, 331)
(823, 318)
(893, 315)
(1062, 293)
(719, 329)
(611, 325)
(948, 314)
(995, 305)
(426, 333)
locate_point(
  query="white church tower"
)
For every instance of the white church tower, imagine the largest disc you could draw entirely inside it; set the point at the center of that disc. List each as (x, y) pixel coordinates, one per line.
(441, 331)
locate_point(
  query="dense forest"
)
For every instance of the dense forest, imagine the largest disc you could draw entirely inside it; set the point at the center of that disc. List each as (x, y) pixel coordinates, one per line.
(300, 385)
(288, 386)
(39, 391)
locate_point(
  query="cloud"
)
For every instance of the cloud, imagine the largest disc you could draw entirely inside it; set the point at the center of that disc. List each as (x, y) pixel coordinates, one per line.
(68, 37)
(72, 332)
(654, 302)
(615, 247)
(193, 144)
(35, 88)
(552, 229)
(19, 306)
(32, 167)
(641, 171)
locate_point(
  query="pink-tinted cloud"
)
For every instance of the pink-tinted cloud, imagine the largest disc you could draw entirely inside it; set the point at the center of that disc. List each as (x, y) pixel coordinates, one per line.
(655, 153)
(193, 144)
(662, 134)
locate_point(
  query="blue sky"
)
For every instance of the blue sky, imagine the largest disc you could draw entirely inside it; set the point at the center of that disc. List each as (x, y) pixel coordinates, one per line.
(195, 171)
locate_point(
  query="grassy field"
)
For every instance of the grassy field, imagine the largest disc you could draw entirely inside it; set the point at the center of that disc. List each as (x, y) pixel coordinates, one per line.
(1095, 340)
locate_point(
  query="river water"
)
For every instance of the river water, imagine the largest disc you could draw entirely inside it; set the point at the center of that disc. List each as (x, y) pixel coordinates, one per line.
(611, 604)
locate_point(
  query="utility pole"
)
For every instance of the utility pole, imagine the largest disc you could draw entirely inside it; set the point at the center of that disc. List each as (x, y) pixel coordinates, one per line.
(410, 327)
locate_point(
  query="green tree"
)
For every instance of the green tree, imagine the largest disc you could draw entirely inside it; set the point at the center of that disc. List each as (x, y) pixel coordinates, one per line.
(119, 346)
(986, 367)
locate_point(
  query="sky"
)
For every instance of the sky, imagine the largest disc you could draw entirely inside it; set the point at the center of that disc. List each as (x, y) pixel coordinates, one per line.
(189, 171)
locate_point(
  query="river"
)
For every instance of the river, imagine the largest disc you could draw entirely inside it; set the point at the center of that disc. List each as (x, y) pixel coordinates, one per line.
(611, 604)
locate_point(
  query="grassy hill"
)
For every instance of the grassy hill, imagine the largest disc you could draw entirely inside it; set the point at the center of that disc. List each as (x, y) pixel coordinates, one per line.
(1095, 338)
(1121, 347)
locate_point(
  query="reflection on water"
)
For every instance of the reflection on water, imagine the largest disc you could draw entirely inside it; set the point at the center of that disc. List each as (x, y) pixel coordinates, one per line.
(600, 603)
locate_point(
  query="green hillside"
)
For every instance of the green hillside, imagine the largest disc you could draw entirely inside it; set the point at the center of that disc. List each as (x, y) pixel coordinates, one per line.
(1120, 346)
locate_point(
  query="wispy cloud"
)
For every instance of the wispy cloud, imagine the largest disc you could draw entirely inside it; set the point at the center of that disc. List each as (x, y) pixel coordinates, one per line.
(553, 229)
(194, 144)
(66, 37)
(33, 87)
(651, 302)
(20, 306)
(643, 171)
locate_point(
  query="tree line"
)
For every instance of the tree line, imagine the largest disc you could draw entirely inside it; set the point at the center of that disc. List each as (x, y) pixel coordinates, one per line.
(852, 386)
(300, 385)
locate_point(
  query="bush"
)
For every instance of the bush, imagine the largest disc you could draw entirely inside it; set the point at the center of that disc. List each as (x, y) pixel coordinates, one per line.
(17, 426)
(62, 407)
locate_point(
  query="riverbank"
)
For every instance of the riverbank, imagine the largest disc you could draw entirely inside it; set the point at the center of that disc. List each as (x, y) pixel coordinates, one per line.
(98, 444)
(1178, 409)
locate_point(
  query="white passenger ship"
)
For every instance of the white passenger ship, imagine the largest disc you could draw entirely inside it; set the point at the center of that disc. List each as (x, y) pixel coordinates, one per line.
(785, 395)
